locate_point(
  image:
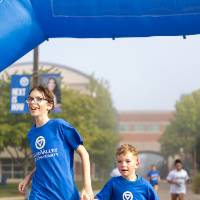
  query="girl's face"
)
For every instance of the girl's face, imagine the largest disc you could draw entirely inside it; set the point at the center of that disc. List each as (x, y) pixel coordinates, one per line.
(51, 84)
(127, 164)
(178, 166)
(38, 105)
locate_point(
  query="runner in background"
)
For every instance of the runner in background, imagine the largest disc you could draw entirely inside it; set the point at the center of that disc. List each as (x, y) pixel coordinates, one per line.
(154, 177)
(177, 178)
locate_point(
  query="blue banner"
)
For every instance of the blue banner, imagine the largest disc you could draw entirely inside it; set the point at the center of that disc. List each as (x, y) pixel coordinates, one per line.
(20, 86)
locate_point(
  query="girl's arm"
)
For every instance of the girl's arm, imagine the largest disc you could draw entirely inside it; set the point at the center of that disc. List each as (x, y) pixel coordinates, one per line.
(87, 192)
(26, 182)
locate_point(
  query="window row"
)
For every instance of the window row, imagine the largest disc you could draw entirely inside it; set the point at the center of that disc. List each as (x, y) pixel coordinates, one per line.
(139, 127)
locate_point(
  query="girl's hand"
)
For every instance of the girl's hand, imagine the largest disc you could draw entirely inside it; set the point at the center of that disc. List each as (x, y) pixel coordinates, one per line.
(24, 184)
(87, 195)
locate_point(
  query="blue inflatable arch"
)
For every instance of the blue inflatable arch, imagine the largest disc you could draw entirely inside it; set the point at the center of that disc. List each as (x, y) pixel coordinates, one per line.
(24, 24)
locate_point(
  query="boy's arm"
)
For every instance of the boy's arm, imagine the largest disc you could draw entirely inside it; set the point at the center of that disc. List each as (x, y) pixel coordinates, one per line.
(27, 180)
(87, 188)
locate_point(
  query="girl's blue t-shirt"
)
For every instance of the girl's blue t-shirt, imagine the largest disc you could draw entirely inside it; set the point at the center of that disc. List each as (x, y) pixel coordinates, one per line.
(119, 188)
(153, 175)
(53, 146)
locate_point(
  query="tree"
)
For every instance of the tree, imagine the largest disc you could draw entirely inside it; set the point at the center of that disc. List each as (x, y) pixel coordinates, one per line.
(102, 149)
(184, 130)
(13, 129)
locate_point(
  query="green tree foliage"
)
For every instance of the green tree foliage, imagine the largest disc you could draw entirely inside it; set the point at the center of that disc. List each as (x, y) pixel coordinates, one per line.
(102, 149)
(93, 116)
(106, 112)
(184, 130)
(13, 128)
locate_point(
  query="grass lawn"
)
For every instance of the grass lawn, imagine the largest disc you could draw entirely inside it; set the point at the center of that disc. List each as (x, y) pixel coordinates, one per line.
(96, 185)
(9, 190)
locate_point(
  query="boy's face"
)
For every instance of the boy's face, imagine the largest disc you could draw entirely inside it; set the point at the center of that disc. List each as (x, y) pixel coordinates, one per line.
(127, 164)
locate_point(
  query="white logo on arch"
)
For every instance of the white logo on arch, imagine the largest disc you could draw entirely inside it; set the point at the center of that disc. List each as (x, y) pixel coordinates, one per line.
(127, 195)
(40, 142)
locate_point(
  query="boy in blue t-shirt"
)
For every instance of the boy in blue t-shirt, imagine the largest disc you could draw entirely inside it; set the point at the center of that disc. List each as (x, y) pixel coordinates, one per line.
(154, 177)
(128, 186)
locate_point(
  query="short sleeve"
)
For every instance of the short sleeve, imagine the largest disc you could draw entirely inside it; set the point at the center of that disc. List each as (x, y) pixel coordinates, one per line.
(152, 195)
(170, 176)
(71, 135)
(106, 192)
(149, 174)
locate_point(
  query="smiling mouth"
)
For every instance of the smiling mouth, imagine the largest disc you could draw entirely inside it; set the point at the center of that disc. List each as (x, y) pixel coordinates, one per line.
(33, 108)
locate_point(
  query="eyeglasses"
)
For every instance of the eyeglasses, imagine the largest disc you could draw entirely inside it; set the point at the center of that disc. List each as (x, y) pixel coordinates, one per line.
(35, 99)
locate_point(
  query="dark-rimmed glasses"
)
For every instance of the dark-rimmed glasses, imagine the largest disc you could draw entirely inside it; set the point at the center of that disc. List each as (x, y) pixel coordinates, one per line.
(35, 99)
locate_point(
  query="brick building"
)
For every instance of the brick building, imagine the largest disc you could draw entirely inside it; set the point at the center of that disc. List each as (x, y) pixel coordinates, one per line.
(143, 130)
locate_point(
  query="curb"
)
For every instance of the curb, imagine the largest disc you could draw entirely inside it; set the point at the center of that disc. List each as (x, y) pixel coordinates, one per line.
(12, 198)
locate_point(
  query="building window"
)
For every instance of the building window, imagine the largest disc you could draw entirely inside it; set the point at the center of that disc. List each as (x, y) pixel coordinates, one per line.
(6, 168)
(146, 127)
(11, 169)
(154, 127)
(139, 127)
(123, 127)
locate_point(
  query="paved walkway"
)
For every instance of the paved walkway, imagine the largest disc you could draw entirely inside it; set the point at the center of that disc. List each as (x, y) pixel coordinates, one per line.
(163, 194)
(12, 198)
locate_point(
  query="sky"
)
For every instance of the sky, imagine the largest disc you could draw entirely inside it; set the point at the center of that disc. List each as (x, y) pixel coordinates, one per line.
(144, 74)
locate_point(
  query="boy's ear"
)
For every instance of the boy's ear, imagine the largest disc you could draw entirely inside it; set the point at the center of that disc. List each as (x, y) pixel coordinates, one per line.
(138, 162)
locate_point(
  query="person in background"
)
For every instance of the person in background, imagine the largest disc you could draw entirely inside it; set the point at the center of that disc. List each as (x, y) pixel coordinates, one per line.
(154, 177)
(177, 178)
(115, 172)
(53, 142)
(129, 185)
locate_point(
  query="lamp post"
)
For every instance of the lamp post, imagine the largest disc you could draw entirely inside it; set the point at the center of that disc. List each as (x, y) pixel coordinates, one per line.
(35, 66)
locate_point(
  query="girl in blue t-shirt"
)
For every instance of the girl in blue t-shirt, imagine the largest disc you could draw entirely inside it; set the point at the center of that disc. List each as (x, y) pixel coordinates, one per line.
(53, 142)
(128, 186)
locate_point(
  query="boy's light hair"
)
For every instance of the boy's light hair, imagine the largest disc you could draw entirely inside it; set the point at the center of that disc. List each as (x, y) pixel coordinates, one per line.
(125, 148)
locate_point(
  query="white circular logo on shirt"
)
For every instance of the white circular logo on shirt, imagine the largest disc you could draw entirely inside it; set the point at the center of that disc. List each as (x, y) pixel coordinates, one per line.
(24, 81)
(127, 195)
(40, 142)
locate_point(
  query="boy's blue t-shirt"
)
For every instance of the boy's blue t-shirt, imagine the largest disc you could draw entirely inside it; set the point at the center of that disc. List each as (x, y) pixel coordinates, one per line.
(53, 146)
(153, 174)
(118, 188)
